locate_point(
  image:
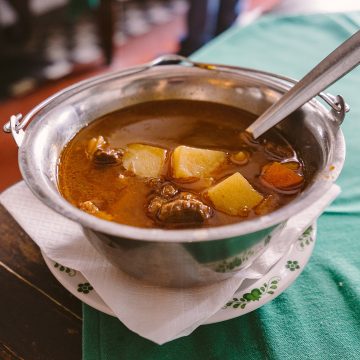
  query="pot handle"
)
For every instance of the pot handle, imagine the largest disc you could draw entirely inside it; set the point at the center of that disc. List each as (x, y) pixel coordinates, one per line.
(339, 109)
(15, 127)
(172, 59)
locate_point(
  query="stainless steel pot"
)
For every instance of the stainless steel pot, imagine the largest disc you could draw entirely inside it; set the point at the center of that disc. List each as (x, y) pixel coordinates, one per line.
(178, 258)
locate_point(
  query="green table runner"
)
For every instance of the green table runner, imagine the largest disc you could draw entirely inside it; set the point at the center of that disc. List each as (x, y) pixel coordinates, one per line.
(318, 317)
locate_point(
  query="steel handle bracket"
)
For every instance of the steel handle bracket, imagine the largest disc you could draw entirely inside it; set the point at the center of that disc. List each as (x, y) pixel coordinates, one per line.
(15, 127)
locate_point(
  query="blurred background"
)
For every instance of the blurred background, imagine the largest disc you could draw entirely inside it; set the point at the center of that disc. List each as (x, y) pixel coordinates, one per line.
(46, 45)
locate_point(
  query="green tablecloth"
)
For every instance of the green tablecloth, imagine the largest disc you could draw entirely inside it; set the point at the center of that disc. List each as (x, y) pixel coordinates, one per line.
(318, 317)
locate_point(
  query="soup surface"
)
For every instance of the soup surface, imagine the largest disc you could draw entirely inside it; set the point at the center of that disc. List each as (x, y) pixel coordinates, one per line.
(176, 164)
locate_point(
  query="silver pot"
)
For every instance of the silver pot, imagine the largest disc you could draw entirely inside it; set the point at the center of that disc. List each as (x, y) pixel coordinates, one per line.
(178, 258)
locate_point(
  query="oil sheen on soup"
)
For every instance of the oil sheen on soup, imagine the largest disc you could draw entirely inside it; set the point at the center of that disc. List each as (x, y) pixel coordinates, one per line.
(178, 164)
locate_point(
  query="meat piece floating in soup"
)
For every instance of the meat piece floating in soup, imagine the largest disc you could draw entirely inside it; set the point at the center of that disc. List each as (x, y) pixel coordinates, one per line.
(101, 153)
(182, 209)
(178, 164)
(91, 208)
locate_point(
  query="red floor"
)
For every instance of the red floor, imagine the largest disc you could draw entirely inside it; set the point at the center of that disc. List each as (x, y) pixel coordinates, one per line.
(160, 40)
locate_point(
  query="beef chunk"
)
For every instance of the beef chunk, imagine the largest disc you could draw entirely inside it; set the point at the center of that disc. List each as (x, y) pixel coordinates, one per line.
(155, 183)
(92, 207)
(183, 208)
(100, 152)
(154, 206)
(162, 188)
(168, 191)
(89, 207)
(107, 156)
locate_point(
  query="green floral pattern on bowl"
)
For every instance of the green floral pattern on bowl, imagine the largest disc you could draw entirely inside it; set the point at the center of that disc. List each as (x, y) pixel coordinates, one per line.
(292, 265)
(65, 269)
(229, 265)
(306, 238)
(235, 262)
(254, 295)
(85, 288)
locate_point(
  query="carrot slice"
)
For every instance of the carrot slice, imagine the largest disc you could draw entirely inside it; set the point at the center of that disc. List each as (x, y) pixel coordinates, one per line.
(281, 176)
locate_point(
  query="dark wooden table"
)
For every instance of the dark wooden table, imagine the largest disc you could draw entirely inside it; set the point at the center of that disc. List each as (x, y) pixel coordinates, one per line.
(39, 319)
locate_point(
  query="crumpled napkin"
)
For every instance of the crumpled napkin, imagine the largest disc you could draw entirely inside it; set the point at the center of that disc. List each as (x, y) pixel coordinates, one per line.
(158, 314)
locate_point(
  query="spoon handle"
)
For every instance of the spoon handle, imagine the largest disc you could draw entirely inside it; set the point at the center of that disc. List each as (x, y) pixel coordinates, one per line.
(342, 60)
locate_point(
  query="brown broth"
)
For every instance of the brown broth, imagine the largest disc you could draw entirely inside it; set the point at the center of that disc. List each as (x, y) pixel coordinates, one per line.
(166, 124)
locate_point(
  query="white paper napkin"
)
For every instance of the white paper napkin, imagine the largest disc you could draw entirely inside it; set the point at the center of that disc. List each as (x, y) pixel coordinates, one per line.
(158, 314)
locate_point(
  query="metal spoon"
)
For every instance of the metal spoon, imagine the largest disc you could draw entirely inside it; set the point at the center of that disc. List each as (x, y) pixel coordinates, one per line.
(342, 60)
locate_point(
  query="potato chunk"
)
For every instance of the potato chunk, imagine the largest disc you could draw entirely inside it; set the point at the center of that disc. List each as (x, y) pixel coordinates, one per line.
(144, 160)
(188, 162)
(234, 195)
